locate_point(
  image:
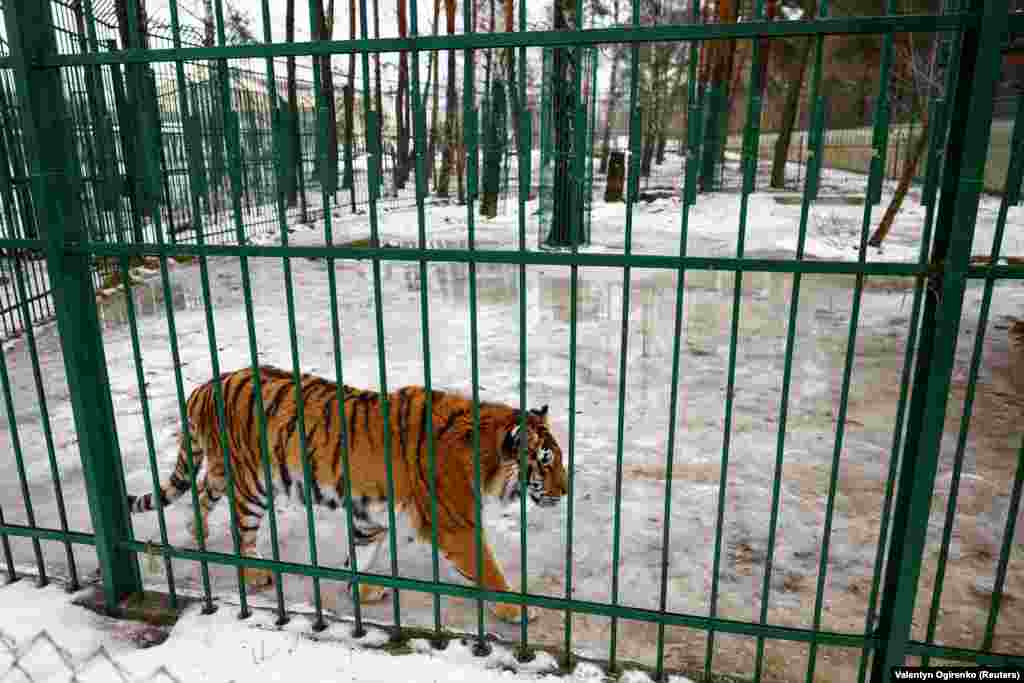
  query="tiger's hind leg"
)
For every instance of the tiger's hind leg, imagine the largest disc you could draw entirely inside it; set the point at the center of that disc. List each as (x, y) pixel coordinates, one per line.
(367, 554)
(249, 510)
(368, 539)
(211, 490)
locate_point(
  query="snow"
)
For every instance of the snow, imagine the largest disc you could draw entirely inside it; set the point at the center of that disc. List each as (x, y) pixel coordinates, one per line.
(834, 229)
(46, 635)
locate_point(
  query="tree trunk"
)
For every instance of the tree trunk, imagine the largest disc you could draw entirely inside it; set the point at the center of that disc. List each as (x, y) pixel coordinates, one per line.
(613, 89)
(434, 69)
(906, 178)
(494, 147)
(350, 109)
(293, 109)
(208, 38)
(329, 176)
(789, 109)
(792, 102)
(510, 74)
(450, 111)
(121, 9)
(377, 95)
(460, 165)
(609, 114)
(401, 171)
(720, 57)
(616, 176)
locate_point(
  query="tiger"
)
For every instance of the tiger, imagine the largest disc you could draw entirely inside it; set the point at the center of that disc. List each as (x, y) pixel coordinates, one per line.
(451, 420)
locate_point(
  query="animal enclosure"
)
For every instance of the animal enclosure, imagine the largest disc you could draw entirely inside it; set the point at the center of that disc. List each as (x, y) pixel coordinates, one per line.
(790, 454)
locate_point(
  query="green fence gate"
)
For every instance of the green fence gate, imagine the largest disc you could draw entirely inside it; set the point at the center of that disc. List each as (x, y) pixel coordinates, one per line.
(50, 84)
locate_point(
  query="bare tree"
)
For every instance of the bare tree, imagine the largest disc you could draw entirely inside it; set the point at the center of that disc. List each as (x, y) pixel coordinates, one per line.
(613, 96)
(719, 56)
(350, 86)
(325, 30)
(433, 73)
(401, 169)
(794, 86)
(293, 113)
(451, 116)
(917, 68)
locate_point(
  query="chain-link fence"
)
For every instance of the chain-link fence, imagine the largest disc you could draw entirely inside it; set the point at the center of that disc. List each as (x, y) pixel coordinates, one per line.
(42, 658)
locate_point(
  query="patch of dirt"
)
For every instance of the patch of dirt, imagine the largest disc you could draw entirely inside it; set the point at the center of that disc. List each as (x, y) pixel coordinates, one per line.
(705, 473)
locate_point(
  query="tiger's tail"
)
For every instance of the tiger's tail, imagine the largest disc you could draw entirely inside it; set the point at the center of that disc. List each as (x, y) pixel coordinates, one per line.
(178, 483)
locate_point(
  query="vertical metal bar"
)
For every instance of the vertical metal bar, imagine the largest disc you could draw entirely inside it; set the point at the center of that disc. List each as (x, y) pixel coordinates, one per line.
(12, 573)
(44, 415)
(373, 135)
(876, 170)
(968, 407)
(962, 184)
(235, 161)
(26, 496)
(749, 169)
(523, 170)
(30, 36)
(217, 381)
(571, 465)
(632, 179)
(880, 134)
(261, 418)
(144, 164)
(672, 414)
(526, 161)
(936, 154)
(8, 201)
(154, 470)
(1004, 552)
(469, 117)
(787, 370)
(420, 148)
(197, 218)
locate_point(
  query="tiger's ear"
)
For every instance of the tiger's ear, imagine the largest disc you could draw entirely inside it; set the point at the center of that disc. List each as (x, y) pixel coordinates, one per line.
(541, 412)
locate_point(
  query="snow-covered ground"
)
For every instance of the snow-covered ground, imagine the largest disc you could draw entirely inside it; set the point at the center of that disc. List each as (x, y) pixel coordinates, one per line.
(834, 228)
(48, 635)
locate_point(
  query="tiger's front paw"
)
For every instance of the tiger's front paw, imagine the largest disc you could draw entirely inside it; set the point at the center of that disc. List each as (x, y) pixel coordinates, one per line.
(258, 579)
(192, 528)
(511, 613)
(371, 593)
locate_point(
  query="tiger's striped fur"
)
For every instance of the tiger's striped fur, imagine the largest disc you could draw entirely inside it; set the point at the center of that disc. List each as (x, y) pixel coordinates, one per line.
(363, 428)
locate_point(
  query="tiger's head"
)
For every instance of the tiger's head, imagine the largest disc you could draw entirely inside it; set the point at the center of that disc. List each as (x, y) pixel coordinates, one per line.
(546, 478)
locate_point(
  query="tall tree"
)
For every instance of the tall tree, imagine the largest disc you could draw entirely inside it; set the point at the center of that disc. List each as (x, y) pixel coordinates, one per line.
(613, 96)
(293, 113)
(494, 134)
(451, 109)
(325, 30)
(919, 79)
(377, 86)
(794, 86)
(434, 67)
(208, 23)
(719, 55)
(401, 169)
(350, 90)
(510, 72)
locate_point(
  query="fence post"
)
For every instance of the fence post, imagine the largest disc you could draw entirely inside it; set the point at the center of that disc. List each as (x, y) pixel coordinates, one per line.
(961, 189)
(56, 188)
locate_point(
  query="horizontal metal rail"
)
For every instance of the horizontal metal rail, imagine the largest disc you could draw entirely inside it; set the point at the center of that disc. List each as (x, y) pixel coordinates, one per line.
(911, 23)
(914, 648)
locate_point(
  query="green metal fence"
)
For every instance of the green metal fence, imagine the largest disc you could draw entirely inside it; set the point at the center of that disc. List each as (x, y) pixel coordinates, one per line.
(76, 187)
